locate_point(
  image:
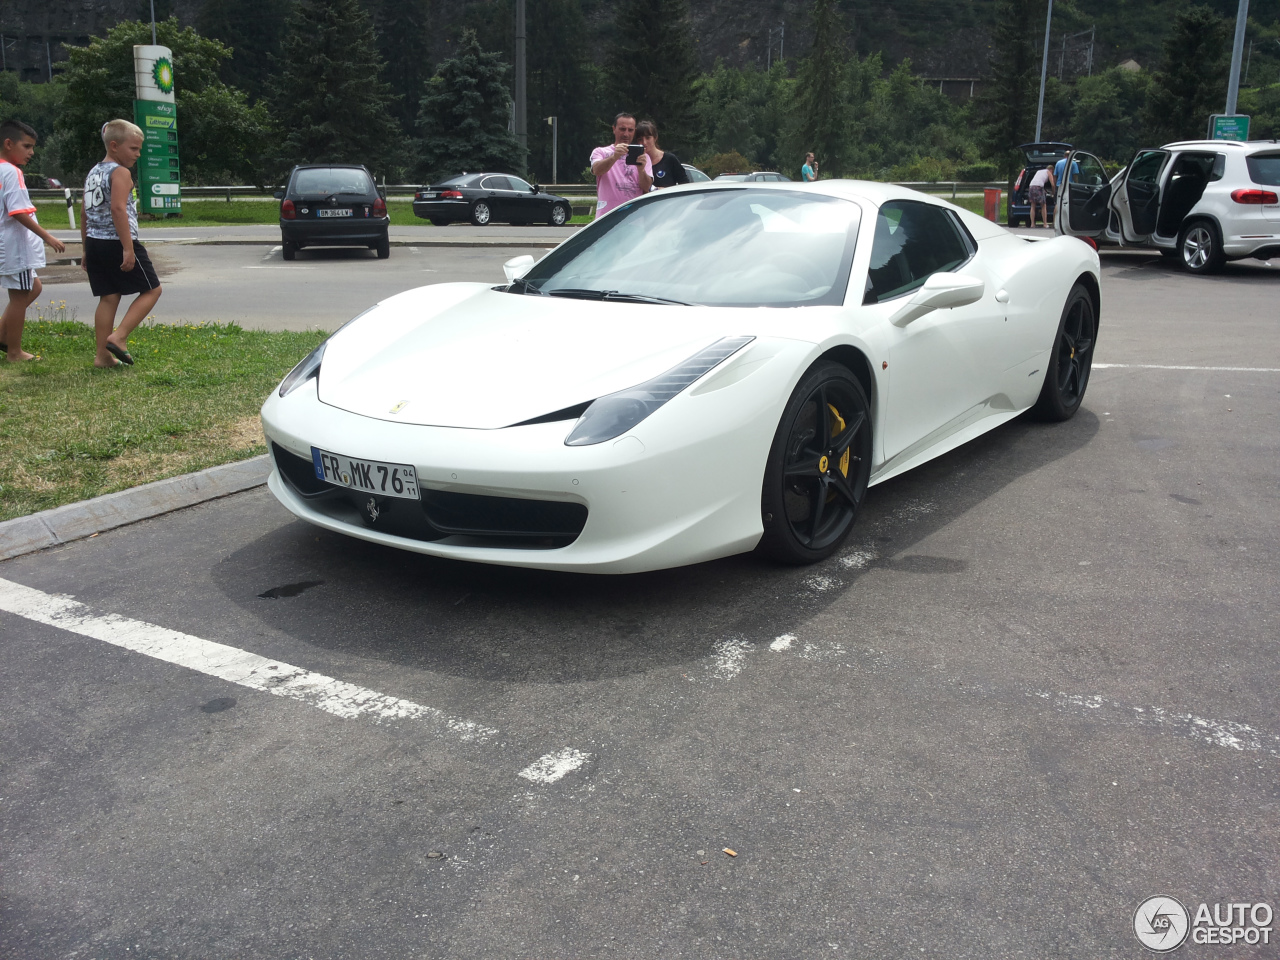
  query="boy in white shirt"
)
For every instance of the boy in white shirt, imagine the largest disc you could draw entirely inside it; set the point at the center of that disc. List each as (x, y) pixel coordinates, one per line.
(22, 239)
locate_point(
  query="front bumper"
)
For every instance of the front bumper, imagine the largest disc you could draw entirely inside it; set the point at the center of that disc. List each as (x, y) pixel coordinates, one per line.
(662, 495)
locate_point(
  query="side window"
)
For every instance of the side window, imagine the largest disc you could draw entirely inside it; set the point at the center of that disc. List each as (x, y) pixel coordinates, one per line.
(495, 183)
(1146, 168)
(518, 184)
(1219, 167)
(912, 240)
(1088, 171)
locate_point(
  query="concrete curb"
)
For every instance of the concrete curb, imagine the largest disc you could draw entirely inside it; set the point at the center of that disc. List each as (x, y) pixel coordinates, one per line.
(75, 521)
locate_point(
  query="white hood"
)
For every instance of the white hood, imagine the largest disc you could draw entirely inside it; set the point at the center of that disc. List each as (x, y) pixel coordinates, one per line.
(465, 355)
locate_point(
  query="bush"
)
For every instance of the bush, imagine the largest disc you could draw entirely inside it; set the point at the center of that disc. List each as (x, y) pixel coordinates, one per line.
(732, 162)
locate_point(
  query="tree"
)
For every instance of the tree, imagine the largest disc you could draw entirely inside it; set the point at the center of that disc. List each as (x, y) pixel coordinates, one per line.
(39, 105)
(330, 97)
(1105, 113)
(464, 115)
(401, 28)
(1008, 107)
(821, 104)
(220, 134)
(253, 29)
(1192, 84)
(652, 67)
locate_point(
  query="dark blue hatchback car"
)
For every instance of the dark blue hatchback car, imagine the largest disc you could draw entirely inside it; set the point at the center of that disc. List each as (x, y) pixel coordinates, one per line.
(333, 205)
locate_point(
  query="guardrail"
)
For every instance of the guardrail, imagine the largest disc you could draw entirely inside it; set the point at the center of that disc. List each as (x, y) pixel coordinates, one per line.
(228, 193)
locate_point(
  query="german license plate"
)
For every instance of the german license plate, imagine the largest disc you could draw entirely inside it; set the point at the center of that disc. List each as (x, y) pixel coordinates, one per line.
(426, 196)
(336, 212)
(368, 476)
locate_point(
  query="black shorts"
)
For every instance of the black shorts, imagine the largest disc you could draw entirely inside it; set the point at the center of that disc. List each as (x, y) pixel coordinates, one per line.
(102, 259)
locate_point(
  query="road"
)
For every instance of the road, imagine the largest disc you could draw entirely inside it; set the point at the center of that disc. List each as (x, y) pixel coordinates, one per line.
(1036, 687)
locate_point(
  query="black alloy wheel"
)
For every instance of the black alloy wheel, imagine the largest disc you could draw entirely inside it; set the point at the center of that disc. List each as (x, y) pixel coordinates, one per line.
(481, 214)
(559, 215)
(1071, 360)
(818, 468)
(1200, 247)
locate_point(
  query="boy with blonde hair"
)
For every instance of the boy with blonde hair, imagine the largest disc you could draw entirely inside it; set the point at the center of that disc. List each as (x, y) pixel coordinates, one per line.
(22, 239)
(117, 263)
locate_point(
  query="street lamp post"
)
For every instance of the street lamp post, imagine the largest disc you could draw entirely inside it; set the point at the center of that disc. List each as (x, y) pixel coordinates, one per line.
(522, 122)
(1044, 67)
(554, 122)
(1237, 49)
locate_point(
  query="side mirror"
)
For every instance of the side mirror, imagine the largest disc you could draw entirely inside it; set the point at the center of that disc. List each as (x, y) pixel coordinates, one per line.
(536, 188)
(517, 267)
(941, 291)
(279, 194)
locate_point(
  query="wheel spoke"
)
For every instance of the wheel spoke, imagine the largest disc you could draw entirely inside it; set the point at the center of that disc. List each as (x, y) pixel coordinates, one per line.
(807, 467)
(819, 506)
(824, 418)
(841, 443)
(842, 487)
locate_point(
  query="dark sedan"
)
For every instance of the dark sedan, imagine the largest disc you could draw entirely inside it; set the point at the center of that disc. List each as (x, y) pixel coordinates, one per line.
(482, 198)
(333, 205)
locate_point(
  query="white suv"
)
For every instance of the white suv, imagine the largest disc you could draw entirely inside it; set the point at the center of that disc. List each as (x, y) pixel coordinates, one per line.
(1201, 202)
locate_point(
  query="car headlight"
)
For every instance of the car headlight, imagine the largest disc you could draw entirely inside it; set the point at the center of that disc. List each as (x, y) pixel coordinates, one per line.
(308, 369)
(613, 415)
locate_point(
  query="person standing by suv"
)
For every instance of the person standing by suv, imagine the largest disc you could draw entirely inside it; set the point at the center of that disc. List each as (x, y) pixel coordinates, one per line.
(1036, 193)
(618, 181)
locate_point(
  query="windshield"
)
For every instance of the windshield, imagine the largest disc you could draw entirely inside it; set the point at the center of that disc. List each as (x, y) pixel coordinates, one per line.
(328, 180)
(739, 247)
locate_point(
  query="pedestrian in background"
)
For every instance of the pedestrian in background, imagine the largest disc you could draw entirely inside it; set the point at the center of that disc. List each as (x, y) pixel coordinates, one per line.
(22, 239)
(114, 258)
(619, 177)
(1036, 193)
(668, 171)
(809, 172)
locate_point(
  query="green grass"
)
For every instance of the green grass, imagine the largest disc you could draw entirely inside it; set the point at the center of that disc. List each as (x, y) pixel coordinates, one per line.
(69, 431)
(219, 213)
(975, 204)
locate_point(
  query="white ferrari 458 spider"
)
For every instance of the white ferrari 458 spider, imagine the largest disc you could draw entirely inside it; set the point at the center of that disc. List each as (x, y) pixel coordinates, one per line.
(708, 369)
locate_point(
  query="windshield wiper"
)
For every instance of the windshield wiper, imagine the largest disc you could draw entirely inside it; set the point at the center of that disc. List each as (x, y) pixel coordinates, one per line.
(582, 293)
(524, 287)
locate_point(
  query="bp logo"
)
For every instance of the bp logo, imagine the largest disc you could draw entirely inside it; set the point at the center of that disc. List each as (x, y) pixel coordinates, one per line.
(1161, 923)
(163, 73)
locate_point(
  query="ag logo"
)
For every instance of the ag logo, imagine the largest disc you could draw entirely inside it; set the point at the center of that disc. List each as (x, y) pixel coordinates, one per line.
(1161, 923)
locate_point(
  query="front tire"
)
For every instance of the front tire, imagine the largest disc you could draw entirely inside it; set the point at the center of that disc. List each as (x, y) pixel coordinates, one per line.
(1200, 247)
(818, 468)
(559, 215)
(481, 213)
(1071, 359)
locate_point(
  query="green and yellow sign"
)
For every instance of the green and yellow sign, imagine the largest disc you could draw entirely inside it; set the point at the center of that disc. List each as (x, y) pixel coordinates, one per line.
(156, 112)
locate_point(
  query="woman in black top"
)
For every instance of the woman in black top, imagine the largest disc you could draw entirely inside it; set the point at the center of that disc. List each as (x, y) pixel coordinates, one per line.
(667, 169)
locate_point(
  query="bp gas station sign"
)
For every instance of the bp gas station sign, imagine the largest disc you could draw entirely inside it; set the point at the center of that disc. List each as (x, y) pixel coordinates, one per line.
(156, 112)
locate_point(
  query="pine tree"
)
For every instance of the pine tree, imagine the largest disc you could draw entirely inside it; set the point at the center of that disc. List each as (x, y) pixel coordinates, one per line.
(653, 65)
(1193, 80)
(401, 27)
(1008, 106)
(330, 99)
(821, 106)
(464, 115)
(253, 30)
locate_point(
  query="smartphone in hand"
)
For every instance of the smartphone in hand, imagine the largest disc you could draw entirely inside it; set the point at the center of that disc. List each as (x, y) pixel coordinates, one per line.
(634, 152)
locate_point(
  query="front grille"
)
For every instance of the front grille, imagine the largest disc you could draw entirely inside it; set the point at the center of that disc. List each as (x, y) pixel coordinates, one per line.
(482, 520)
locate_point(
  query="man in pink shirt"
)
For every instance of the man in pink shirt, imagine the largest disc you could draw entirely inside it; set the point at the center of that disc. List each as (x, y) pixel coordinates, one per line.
(616, 180)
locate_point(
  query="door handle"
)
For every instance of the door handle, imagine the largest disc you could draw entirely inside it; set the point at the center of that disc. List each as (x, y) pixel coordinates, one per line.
(1002, 296)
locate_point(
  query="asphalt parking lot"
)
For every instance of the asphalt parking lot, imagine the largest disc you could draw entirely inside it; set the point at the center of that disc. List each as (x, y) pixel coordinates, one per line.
(1036, 687)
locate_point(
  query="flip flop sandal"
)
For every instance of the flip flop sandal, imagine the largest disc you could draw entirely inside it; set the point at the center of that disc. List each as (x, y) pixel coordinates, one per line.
(121, 355)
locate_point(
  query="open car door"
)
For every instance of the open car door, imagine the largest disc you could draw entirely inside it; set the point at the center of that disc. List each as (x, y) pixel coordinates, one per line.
(1137, 202)
(1084, 201)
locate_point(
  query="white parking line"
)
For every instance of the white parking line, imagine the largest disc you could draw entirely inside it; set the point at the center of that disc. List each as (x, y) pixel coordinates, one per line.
(553, 766)
(247, 669)
(1158, 366)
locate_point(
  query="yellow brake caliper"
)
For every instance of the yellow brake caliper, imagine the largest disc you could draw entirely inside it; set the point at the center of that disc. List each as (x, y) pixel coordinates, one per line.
(836, 429)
